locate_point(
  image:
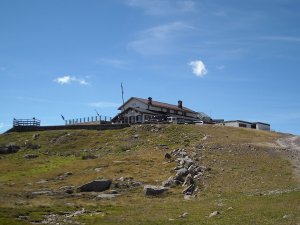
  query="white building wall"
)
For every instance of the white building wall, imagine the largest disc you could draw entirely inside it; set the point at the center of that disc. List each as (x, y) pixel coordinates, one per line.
(232, 124)
(260, 126)
(135, 104)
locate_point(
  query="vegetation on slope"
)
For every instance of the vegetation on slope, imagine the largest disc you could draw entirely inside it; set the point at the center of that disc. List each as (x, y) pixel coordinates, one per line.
(250, 181)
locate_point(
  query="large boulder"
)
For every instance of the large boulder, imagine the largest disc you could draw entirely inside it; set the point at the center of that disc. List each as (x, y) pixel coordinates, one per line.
(10, 148)
(96, 185)
(151, 190)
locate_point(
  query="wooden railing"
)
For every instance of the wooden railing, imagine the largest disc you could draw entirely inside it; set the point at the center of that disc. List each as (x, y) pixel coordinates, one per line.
(26, 122)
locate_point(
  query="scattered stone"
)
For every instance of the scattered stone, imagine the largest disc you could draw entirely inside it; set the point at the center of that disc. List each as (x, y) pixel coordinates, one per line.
(287, 216)
(168, 156)
(42, 182)
(188, 197)
(30, 156)
(8, 149)
(135, 136)
(96, 185)
(68, 173)
(182, 172)
(189, 190)
(23, 217)
(98, 169)
(151, 190)
(168, 183)
(85, 157)
(107, 196)
(215, 213)
(42, 192)
(230, 208)
(35, 136)
(184, 215)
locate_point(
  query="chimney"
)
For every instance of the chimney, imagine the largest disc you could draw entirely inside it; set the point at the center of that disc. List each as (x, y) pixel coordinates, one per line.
(149, 101)
(180, 104)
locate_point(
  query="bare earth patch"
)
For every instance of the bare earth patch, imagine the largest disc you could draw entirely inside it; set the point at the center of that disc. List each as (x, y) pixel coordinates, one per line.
(291, 145)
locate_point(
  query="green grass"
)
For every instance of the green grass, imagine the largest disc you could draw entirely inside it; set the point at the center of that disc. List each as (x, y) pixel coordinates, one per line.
(243, 168)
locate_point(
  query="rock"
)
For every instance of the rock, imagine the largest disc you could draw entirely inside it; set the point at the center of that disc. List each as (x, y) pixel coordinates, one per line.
(215, 213)
(41, 181)
(135, 136)
(168, 156)
(30, 156)
(184, 215)
(98, 170)
(8, 149)
(43, 192)
(68, 173)
(151, 190)
(189, 190)
(69, 191)
(35, 136)
(286, 216)
(168, 183)
(106, 196)
(182, 172)
(85, 157)
(188, 180)
(23, 217)
(96, 185)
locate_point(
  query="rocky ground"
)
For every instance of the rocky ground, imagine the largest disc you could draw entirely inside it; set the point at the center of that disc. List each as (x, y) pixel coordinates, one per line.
(149, 174)
(291, 145)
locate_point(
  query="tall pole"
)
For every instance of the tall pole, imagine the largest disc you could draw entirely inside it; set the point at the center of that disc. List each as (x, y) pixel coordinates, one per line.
(122, 94)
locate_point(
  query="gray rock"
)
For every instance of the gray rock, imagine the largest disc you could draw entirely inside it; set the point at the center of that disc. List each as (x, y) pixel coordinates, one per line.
(106, 196)
(96, 185)
(151, 190)
(184, 215)
(182, 172)
(31, 156)
(168, 183)
(8, 149)
(168, 156)
(215, 213)
(42, 192)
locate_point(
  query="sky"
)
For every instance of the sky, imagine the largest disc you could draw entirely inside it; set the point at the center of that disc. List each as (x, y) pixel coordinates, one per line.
(231, 59)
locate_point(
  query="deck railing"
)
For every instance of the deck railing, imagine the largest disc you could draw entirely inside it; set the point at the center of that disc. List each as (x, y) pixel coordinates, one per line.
(88, 120)
(26, 122)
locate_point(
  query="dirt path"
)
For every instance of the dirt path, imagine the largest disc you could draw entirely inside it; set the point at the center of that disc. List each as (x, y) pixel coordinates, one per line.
(291, 144)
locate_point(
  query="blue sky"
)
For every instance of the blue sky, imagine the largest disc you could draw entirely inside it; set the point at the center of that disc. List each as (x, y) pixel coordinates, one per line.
(232, 59)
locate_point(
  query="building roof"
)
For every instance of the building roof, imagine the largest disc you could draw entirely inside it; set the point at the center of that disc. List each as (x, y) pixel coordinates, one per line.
(242, 121)
(159, 104)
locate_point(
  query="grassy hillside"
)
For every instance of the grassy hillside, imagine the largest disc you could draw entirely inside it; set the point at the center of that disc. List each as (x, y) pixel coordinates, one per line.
(249, 181)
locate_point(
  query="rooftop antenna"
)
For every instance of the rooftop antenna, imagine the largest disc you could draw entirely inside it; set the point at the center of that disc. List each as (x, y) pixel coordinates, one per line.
(97, 112)
(122, 94)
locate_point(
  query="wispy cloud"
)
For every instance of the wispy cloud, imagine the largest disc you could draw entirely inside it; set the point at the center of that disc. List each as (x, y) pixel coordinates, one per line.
(70, 79)
(121, 64)
(163, 7)
(280, 38)
(2, 125)
(159, 39)
(198, 68)
(104, 104)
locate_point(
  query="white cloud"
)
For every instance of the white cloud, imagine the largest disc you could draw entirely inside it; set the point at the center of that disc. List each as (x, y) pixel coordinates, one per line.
(1, 125)
(198, 68)
(159, 39)
(69, 79)
(104, 104)
(163, 7)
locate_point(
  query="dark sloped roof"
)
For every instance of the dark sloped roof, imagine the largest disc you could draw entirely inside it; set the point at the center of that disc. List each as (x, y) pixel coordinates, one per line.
(160, 104)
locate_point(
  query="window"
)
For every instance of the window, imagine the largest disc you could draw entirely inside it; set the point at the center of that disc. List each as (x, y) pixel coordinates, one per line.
(242, 125)
(175, 112)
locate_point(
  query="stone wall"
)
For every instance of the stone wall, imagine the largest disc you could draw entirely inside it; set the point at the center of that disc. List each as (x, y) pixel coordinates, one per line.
(68, 127)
